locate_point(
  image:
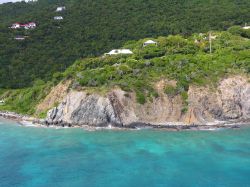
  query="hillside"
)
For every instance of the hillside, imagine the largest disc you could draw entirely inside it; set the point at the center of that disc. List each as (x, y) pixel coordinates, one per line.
(90, 28)
(181, 62)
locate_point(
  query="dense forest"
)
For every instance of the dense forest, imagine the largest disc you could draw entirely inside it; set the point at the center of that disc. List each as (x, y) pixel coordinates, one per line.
(90, 28)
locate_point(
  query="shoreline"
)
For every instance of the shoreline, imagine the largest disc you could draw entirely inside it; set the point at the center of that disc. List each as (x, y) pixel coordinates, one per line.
(29, 121)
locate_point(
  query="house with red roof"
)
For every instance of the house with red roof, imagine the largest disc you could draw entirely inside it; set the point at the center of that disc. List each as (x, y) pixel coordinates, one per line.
(15, 26)
(30, 25)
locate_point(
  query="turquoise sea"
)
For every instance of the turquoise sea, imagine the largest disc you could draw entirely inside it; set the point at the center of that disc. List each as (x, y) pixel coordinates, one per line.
(42, 157)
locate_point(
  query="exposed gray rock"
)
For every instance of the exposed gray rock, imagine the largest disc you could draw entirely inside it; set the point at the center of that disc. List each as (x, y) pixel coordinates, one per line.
(96, 111)
(80, 109)
(245, 102)
(230, 101)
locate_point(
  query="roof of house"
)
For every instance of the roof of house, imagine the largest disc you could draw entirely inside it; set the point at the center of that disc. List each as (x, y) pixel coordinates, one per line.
(19, 38)
(58, 17)
(150, 42)
(246, 27)
(120, 51)
(30, 23)
(60, 8)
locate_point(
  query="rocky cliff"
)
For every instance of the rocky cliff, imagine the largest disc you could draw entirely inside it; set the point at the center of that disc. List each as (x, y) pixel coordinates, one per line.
(229, 101)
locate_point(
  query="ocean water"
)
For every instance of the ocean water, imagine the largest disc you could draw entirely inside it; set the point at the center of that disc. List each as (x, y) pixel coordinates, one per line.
(42, 157)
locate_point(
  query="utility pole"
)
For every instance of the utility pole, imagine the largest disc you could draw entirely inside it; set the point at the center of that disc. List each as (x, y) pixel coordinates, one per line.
(210, 42)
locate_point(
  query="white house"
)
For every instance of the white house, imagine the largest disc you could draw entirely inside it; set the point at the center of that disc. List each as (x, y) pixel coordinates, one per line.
(60, 8)
(120, 51)
(15, 26)
(246, 27)
(149, 42)
(58, 18)
(19, 38)
(30, 25)
(213, 37)
(2, 102)
(30, 1)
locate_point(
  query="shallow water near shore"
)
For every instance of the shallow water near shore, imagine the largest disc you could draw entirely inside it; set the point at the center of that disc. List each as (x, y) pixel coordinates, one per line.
(32, 156)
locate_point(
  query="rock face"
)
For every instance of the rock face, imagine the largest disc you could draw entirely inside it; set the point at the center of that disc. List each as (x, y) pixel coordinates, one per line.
(95, 110)
(230, 101)
(81, 109)
(55, 96)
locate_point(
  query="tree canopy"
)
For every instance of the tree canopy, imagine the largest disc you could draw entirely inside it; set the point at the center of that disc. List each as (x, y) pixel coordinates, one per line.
(90, 28)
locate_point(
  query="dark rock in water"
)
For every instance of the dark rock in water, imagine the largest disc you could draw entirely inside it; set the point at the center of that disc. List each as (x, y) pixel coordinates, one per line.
(235, 126)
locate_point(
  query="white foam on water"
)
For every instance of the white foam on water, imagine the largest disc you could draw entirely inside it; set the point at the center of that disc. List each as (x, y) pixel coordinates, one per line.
(28, 124)
(143, 128)
(211, 129)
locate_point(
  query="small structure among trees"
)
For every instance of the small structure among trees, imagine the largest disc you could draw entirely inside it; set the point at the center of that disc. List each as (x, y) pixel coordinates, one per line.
(30, 1)
(246, 27)
(30, 25)
(119, 51)
(58, 18)
(15, 26)
(60, 8)
(149, 42)
(20, 38)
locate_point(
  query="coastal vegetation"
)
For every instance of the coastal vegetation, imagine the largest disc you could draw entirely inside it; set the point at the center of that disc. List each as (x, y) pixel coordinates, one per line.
(24, 100)
(187, 60)
(91, 28)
